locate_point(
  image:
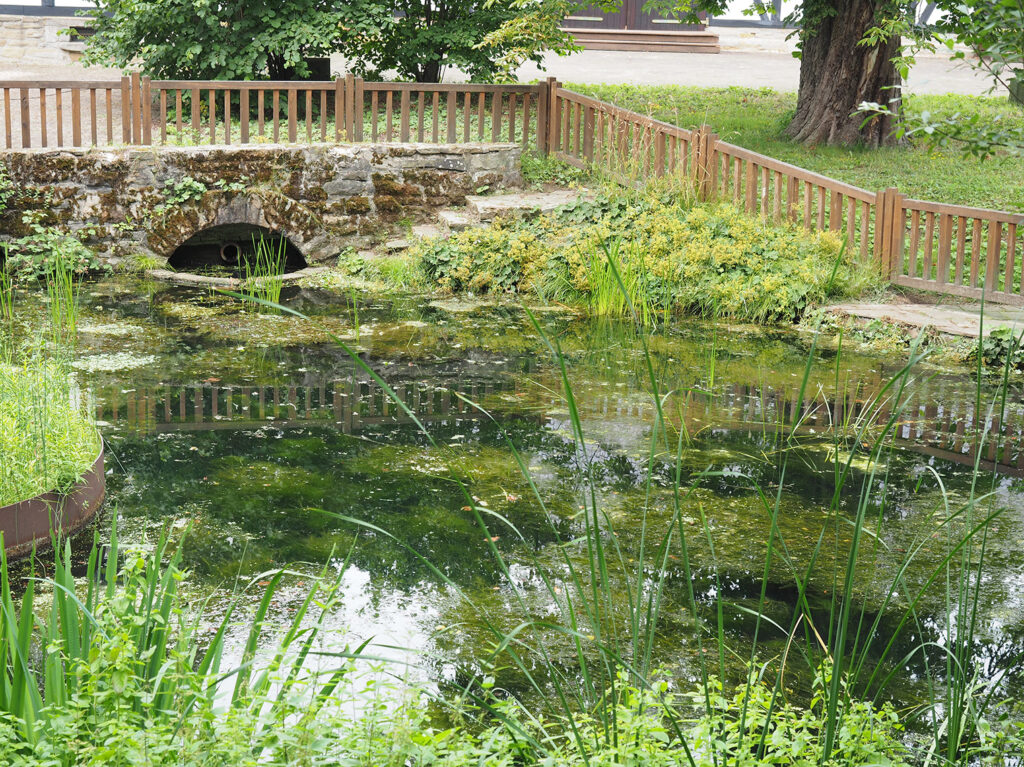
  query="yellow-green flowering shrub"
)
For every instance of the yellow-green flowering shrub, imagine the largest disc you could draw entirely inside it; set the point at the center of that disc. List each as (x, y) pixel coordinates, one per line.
(709, 259)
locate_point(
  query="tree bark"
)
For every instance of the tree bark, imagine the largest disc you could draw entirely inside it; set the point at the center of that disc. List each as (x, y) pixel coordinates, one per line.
(837, 75)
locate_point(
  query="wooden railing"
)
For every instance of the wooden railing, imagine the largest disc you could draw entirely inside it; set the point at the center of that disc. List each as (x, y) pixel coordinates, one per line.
(951, 249)
(140, 111)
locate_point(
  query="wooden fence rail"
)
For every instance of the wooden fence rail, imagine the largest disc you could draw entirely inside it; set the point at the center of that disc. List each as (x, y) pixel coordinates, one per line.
(950, 249)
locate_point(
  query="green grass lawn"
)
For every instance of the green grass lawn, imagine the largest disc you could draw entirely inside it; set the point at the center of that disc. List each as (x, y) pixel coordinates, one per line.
(756, 117)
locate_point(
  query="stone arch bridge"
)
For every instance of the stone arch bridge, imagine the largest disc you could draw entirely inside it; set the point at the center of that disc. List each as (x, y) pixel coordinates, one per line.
(148, 201)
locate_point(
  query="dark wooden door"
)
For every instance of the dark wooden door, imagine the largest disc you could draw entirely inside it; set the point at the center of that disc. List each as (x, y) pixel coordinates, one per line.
(630, 15)
(593, 17)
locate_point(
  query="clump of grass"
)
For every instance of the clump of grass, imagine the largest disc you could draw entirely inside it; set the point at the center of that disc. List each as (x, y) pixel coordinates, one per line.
(618, 285)
(6, 298)
(62, 289)
(47, 438)
(262, 272)
(111, 670)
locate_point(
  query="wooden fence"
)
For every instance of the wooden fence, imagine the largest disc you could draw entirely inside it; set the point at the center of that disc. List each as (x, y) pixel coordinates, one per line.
(950, 249)
(140, 111)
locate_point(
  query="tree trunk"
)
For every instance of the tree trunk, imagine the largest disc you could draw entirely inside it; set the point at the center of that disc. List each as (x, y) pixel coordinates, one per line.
(837, 75)
(429, 72)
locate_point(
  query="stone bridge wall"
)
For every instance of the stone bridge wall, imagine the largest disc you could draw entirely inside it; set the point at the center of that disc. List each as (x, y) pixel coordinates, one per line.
(323, 197)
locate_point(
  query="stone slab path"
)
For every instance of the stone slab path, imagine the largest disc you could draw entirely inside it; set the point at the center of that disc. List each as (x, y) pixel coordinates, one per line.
(520, 203)
(954, 320)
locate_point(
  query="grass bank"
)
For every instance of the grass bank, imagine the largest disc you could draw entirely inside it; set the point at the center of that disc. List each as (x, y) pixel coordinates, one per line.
(755, 118)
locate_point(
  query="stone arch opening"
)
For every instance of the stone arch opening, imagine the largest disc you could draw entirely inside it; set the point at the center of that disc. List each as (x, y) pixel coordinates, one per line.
(231, 246)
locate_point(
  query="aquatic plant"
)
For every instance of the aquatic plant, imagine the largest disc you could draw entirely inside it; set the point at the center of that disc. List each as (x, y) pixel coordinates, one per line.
(262, 271)
(62, 290)
(6, 295)
(618, 283)
(47, 438)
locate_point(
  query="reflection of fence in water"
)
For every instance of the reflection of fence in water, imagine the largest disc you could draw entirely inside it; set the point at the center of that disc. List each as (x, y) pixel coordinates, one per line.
(938, 418)
(346, 404)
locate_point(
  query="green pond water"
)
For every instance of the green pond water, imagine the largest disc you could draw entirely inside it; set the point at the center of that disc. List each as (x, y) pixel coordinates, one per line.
(259, 433)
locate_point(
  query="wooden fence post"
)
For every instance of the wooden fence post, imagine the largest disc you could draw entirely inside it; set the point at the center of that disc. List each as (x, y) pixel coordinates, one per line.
(543, 91)
(703, 150)
(146, 105)
(340, 110)
(888, 230)
(355, 112)
(554, 114)
(136, 108)
(126, 111)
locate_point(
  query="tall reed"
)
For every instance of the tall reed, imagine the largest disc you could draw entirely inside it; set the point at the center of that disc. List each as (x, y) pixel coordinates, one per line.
(112, 669)
(618, 283)
(6, 294)
(262, 272)
(62, 290)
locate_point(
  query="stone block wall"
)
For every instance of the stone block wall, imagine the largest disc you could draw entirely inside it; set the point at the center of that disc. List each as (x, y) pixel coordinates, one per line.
(122, 202)
(38, 40)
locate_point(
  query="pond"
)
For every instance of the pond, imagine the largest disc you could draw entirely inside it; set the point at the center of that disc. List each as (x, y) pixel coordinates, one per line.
(266, 439)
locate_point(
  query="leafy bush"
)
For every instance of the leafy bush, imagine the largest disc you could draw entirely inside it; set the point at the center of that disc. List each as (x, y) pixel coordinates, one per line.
(46, 249)
(1001, 348)
(707, 259)
(500, 258)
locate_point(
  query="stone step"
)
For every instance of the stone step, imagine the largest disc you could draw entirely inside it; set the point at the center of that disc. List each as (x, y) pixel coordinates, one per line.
(521, 204)
(393, 246)
(428, 231)
(455, 220)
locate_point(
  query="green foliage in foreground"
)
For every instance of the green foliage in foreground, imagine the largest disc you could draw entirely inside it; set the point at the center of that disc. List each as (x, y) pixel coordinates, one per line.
(674, 256)
(756, 117)
(120, 675)
(47, 439)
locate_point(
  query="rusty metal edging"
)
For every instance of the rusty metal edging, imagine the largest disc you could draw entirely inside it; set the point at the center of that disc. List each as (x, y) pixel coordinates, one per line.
(27, 524)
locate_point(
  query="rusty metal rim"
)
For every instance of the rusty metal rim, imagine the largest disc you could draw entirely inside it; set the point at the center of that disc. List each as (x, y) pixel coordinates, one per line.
(28, 524)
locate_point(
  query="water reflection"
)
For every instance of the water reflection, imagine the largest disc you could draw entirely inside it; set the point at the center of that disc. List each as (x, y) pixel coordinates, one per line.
(262, 451)
(937, 418)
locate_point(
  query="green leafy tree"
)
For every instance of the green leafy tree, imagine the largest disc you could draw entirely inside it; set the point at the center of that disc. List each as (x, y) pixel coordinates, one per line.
(227, 40)
(487, 40)
(238, 39)
(993, 32)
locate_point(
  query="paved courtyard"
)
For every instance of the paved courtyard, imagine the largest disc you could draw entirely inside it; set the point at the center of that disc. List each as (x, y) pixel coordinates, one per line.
(751, 57)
